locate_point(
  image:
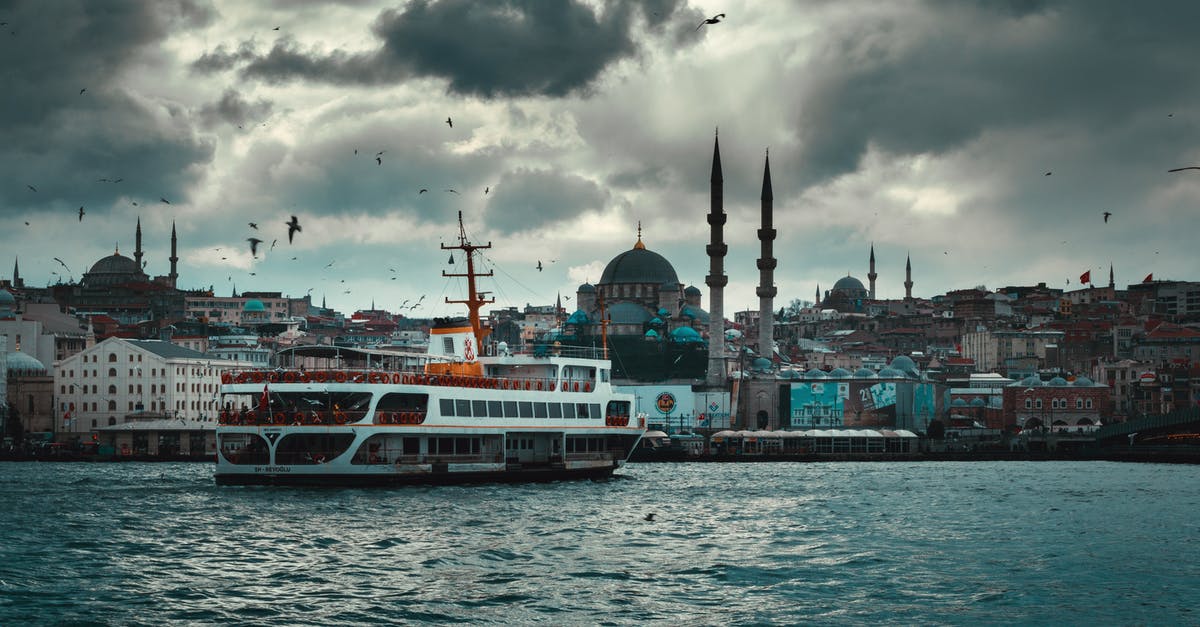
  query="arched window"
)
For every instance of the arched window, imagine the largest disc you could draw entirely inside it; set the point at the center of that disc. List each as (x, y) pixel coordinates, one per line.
(111, 421)
(112, 406)
(112, 372)
(139, 388)
(112, 389)
(112, 357)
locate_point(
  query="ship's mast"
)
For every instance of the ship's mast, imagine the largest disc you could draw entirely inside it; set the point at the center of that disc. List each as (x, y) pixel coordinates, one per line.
(475, 299)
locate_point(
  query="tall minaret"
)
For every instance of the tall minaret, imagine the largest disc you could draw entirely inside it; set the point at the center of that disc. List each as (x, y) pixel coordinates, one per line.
(817, 301)
(137, 244)
(871, 274)
(766, 270)
(174, 275)
(716, 279)
(1111, 284)
(908, 277)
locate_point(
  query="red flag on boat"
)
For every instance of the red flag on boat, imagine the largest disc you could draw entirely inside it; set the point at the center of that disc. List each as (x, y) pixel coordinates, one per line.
(265, 403)
(1086, 277)
(1149, 278)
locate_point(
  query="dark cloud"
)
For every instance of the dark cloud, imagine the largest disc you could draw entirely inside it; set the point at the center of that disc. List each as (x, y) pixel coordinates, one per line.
(510, 48)
(222, 59)
(61, 140)
(526, 200)
(232, 108)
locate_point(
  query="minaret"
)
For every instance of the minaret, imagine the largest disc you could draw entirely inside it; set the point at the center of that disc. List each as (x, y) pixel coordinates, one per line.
(17, 282)
(137, 244)
(817, 300)
(174, 275)
(908, 277)
(1111, 284)
(716, 279)
(871, 274)
(766, 270)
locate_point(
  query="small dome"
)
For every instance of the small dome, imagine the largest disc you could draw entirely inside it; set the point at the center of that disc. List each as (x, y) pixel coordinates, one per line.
(691, 290)
(579, 317)
(662, 311)
(686, 334)
(7, 300)
(695, 313)
(586, 288)
(977, 402)
(628, 313)
(958, 402)
(848, 283)
(839, 373)
(656, 320)
(1030, 381)
(1084, 382)
(891, 373)
(732, 334)
(254, 305)
(762, 364)
(1057, 382)
(816, 374)
(905, 365)
(652, 334)
(865, 373)
(20, 364)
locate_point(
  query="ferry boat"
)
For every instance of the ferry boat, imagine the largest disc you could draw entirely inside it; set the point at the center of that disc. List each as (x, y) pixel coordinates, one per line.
(336, 415)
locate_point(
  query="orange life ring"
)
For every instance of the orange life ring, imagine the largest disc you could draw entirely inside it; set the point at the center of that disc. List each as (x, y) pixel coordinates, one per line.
(339, 376)
(432, 380)
(587, 386)
(539, 385)
(339, 417)
(302, 377)
(320, 376)
(396, 378)
(224, 417)
(576, 386)
(240, 378)
(280, 418)
(527, 384)
(256, 377)
(226, 377)
(273, 377)
(289, 377)
(252, 417)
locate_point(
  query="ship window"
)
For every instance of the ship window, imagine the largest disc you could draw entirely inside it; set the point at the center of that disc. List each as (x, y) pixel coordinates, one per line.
(526, 408)
(539, 410)
(581, 410)
(568, 410)
(555, 410)
(462, 407)
(448, 345)
(594, 410)
(244, 448)
(401, 401)
(412, 446)
(495, 409)
(510, 409)
(447, 406)
(479, 409)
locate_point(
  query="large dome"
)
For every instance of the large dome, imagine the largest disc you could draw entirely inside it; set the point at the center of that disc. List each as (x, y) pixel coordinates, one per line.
(115, 264)
(848, 283)
(639, 265)
(21, 364)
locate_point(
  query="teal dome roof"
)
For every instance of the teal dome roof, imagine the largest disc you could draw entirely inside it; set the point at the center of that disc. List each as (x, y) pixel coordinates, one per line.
(7, 300)
(628, 313)
(254, 305)
(23, 365)
(1028, 382)
(891, 373)
(865, 373)
(839, 373)
(656, 320)
(848, 283)
(686, 334)
(639, 265)
(579, 317)
(652, 334)
(958, 402)
(1084, 382)
(816, 374)
(586, 288)
(905, 365)
(1057, 382)
(691, 290)
(762, 363)
(977, 402)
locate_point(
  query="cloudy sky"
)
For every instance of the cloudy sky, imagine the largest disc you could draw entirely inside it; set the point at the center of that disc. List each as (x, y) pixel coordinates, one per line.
(986, 139)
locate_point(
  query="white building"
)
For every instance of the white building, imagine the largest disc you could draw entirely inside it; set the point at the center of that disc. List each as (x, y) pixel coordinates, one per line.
(105, 383)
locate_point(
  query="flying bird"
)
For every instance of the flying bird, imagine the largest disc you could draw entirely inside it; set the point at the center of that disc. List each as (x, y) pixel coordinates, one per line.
(649, 517)
(423, 190)
(486, 190)
(452, 191)
(449, 122)
(330, 264)
(378, 160)
(253, 225)
(712, 20)
(1106, 215)
(293, 226)
(273, 244)
(82, 90)
(31, 187)
(276, 28)
(81, 212)
(254, 242)
(164, 200)
(1049, 173)
(60, 261)
(1190, 167)
(539, 266)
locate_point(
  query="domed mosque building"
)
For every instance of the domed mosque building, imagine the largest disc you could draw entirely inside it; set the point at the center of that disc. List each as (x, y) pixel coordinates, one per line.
(656, 326)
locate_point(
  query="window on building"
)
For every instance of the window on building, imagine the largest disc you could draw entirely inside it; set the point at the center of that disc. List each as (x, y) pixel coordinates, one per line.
(112, 372)
(1038, 403)
(112, 389)
(1079, 403)
(1089, 403)
(1028, 403)
(112, 406)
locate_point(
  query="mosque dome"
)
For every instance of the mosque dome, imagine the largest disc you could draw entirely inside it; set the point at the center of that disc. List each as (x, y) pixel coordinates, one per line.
(7, 300)
(1030, 381)
(958, 402)
(816, 374)
(891, 373)
(1083, 382)
(20, 364)
(686, 334)
(652, 334)
(762, 364)
(865, 373)
(848, 283)
(254, 305)
(639, 265)
(628, 313)
(839, 373)
(586, 288)
(977, 402)
(691, 290)
(579, 317)
(1057, 382)
(905, 364)
(115, 263)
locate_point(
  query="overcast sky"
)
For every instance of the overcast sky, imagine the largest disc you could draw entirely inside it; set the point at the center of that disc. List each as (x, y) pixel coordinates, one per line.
(928, 128)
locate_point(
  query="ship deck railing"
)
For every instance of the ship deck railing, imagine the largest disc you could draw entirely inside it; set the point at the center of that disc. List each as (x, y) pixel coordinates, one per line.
(408, 377)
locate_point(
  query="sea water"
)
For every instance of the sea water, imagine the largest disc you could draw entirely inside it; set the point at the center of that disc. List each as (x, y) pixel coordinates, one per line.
(782, 543)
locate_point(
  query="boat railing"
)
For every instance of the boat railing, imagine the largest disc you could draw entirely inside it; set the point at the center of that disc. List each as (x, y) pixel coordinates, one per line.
(281, 417)
(407, 377)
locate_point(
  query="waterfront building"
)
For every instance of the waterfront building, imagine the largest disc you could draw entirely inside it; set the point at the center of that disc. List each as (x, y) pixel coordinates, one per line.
(1056, 404)
(106, 383)
(898, 396)
(1004, 349)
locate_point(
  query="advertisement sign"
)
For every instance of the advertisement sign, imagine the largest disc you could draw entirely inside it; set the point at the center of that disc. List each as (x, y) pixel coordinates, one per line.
(817, 405)
(674, 408)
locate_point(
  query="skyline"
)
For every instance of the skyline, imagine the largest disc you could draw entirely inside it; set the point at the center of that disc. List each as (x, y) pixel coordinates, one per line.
(926, 128)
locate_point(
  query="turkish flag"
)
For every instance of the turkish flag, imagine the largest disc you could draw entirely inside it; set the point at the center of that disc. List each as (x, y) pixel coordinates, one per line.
(1086, 277)
(1149, 278)
(265, 403)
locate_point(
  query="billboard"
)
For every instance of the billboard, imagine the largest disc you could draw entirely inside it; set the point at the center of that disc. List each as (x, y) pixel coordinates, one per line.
(674, 408)
(818, 404)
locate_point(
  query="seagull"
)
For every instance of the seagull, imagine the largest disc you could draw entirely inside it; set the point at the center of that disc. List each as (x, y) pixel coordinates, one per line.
(253, 225)
(449, 122)
(378, 160)
(81, 212)
(60, 261)
(254, 242)
(82, 90)
(423, 190)
(1049, 173)
(452, 191)
(31, 187)
(539, 266)
(566, 298)
(712, 20)
(276, 28)
(649, 517)
(293, 258)
(1106, 214)
(486, 190)
(293, 226)
(253, 274)
(273, 244)
(1190, 167)
(164, 200)
(380, 153)
(329, 265)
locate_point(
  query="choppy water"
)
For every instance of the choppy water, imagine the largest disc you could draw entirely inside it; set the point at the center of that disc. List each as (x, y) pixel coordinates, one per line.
(901, 543)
